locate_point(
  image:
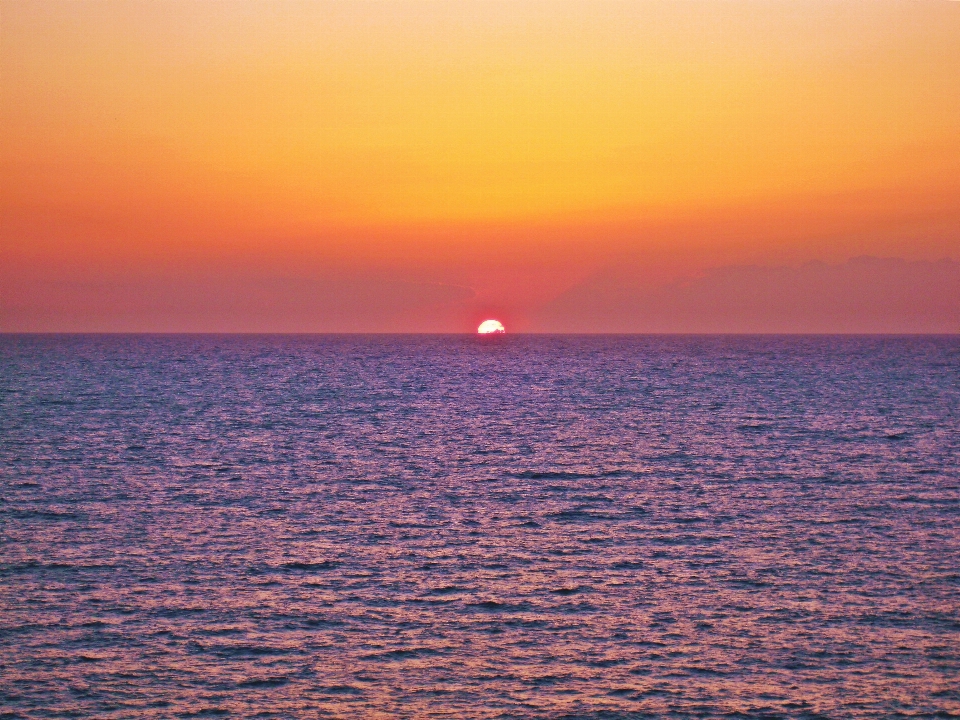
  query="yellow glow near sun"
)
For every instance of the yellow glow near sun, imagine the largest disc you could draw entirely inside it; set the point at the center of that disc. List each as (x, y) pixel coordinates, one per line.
(490, 326)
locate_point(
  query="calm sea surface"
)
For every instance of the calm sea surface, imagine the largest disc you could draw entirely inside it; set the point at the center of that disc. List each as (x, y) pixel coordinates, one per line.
(451, 526)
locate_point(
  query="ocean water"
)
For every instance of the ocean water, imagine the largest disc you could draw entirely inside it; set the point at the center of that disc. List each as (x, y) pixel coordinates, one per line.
(451, 526)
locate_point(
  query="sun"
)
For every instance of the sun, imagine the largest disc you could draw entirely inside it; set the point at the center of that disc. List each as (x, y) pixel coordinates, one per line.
(488, 327)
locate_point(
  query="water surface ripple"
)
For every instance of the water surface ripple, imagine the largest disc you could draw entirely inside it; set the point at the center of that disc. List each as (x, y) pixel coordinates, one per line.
(589, 527)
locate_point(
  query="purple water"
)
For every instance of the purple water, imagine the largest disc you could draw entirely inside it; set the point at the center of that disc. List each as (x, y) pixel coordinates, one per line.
(447, 526)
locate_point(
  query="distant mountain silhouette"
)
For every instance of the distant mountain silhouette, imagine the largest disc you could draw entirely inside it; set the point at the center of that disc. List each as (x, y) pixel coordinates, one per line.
(862, 295)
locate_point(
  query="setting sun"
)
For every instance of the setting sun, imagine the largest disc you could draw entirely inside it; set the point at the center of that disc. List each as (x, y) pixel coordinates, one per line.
(491, 327)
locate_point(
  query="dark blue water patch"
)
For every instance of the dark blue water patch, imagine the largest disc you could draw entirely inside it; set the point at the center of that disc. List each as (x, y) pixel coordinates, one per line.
(311, 566)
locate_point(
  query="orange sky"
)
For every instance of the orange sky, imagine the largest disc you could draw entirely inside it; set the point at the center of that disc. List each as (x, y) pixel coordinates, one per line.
(505, 151)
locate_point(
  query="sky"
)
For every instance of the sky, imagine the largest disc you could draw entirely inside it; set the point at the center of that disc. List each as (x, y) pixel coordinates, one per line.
(417, 166)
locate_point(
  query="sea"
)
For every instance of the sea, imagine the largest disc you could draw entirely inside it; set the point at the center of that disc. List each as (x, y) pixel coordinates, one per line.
(455, 526)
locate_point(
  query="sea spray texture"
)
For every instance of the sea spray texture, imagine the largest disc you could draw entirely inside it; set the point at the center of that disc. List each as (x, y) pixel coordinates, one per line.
(440, 526)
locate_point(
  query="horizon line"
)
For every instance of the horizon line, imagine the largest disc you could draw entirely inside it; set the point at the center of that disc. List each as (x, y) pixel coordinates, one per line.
(494, 337)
